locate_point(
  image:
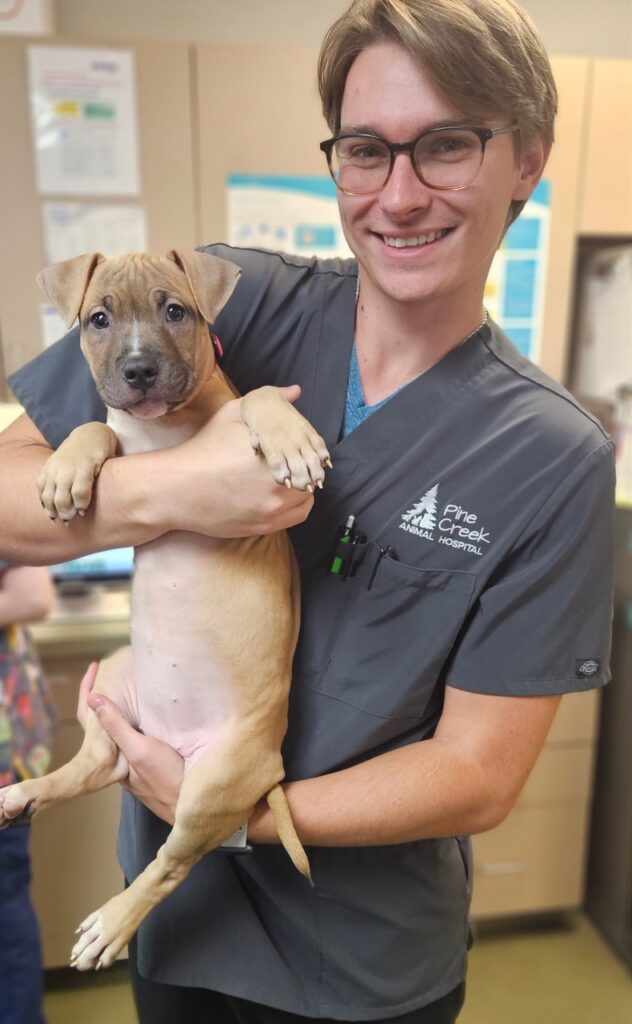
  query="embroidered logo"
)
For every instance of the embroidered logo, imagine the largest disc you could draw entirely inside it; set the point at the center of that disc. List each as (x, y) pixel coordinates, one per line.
(452, 525)
(586, 669)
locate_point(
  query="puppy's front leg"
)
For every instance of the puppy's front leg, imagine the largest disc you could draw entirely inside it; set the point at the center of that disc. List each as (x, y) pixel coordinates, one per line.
(66, 481)
(294, 451)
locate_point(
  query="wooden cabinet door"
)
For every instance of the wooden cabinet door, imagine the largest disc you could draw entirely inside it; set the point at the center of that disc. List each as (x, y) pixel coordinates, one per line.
(606, 190)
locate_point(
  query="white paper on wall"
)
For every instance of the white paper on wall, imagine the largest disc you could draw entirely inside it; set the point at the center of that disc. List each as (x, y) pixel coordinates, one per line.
(83, 113)
(53, 326)
(71, 229)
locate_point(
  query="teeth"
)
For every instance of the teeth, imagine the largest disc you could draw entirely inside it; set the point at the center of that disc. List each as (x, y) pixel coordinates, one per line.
(406, 243)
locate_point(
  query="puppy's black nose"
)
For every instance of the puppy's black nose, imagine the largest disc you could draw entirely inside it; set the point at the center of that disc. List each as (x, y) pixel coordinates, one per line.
(140, 371)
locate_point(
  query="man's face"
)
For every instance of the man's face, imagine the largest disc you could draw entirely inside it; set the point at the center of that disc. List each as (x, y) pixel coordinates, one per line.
(388, 94)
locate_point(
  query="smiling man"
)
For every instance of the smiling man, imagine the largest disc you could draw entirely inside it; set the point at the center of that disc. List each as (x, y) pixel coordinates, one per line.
(470, 585)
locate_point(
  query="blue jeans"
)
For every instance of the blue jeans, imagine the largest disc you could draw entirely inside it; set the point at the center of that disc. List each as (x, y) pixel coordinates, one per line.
(20, 949)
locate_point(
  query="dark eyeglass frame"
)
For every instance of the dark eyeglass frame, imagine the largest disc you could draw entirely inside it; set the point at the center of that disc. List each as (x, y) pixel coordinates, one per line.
(485, 135)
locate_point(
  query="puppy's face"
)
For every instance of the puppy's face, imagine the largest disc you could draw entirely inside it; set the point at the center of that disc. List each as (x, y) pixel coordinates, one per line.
(143, 335)
(144, 322)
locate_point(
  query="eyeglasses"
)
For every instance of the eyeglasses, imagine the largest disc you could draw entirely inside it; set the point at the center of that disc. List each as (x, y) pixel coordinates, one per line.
(443, 158)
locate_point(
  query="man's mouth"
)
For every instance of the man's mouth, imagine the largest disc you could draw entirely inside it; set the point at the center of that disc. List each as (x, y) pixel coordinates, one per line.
(414, 241)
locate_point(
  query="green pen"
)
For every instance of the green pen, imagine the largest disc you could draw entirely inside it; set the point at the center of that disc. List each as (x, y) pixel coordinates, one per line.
(345, 538)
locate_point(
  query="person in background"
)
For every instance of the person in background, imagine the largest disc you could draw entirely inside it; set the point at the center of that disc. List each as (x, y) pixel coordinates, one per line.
(423, 685)
(27, 721)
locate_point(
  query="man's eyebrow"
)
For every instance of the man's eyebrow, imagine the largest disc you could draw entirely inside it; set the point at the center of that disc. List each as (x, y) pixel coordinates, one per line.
(369, 128)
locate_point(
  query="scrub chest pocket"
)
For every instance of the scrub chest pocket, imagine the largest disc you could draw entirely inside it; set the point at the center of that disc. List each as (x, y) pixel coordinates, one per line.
(384, 647)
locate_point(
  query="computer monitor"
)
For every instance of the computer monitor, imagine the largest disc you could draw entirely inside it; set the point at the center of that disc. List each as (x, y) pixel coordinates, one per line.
(102, 566)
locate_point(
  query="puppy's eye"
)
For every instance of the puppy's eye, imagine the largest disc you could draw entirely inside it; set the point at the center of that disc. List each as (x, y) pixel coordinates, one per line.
(175, 311)
(99, 320)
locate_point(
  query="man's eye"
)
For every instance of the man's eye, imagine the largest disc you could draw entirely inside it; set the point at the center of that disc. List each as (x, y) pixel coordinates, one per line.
(175, 311)
(99, 320)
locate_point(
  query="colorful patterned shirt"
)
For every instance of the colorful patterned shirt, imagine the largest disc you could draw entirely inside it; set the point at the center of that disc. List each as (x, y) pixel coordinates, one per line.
(27, 714)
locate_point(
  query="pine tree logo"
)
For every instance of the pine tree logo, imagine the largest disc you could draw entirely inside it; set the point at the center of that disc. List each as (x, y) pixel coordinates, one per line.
(423, 515)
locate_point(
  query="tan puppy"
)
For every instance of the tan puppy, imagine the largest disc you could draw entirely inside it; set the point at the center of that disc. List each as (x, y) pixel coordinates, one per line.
(214, 622)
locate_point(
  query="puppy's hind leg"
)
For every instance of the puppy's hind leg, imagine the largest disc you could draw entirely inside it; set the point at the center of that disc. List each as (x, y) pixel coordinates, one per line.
(218, 794)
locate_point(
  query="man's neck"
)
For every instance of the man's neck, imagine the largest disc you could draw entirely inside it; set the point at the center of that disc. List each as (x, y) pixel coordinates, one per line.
(397, 341)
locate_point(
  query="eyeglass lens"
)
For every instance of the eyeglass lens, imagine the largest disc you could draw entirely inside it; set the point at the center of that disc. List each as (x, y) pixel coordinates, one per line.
(448, 158)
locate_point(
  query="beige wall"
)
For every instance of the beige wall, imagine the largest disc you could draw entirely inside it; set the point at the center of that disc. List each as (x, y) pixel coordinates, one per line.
(580, 27)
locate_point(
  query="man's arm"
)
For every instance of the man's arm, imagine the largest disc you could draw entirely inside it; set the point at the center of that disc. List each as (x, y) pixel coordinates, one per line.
(212, 484)
(463, 781)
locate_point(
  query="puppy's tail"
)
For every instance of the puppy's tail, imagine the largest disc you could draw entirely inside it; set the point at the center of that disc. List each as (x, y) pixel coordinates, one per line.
(278, 804)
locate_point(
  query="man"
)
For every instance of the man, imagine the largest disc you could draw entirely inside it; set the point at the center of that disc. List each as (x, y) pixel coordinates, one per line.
(425, 683)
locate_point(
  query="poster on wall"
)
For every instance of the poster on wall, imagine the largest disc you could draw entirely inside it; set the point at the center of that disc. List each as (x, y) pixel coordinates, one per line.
(71, 229)
(83, 114)
(514, 292)
(292, 213)
(299, 215)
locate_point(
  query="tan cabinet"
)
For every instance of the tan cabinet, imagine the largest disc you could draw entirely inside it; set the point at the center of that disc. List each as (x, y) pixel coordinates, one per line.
(73, 845)
(535, 860)
(606, 188)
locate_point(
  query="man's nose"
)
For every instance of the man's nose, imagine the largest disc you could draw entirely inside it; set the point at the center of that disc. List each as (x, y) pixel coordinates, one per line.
(404, 192)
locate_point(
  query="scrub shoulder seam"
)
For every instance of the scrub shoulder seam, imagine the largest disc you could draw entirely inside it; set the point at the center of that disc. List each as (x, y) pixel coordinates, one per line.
(546, 387)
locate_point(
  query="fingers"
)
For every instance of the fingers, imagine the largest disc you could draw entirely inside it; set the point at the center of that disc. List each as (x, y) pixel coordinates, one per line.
(115, 724)
(85, 689)
(291, 393)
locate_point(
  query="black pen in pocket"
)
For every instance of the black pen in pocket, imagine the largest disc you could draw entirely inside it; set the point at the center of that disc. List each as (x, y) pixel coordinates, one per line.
(386, 552)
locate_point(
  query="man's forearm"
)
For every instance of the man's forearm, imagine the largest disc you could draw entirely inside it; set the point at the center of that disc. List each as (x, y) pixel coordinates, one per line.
(419, 791)
(120, 514)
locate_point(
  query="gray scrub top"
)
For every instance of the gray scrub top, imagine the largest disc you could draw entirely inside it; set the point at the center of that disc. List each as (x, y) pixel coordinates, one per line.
(493, 491)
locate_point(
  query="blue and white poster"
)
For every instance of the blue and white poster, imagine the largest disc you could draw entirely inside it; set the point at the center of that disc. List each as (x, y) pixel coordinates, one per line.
(292, 213)
(299, 214)
(514, 293)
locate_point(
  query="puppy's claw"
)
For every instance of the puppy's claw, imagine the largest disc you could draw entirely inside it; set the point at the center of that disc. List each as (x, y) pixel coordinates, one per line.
(328, 463)
(310, 489)
(287, 482)
(319, 484)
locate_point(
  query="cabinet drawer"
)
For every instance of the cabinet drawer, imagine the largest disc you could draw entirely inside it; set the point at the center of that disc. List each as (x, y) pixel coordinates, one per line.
(73, 852)
(561, 774)
(64, 675)
(534, 861)
(576, 718)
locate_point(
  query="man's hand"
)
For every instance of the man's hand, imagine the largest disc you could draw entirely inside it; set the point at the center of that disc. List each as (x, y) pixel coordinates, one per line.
(214, 484)
(155, 768)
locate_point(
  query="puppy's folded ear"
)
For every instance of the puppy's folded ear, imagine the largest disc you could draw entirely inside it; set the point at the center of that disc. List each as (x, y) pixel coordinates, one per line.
(211, 279)
(64, 284)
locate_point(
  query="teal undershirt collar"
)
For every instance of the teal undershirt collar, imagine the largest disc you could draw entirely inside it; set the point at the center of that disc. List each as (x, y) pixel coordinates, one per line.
(356, 409)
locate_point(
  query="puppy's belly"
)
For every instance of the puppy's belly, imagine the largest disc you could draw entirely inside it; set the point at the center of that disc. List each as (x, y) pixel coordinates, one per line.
(184, 682)
(185, 697)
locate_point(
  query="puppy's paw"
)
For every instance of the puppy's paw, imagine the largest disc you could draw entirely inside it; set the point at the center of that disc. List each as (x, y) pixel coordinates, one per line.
(17, 804)
(65, 489)
(104, 934)
(66, 481)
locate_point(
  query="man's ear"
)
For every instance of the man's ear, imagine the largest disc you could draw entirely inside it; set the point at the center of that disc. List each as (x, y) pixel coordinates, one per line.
(531, 163)
(64, 284)
(211, 279)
